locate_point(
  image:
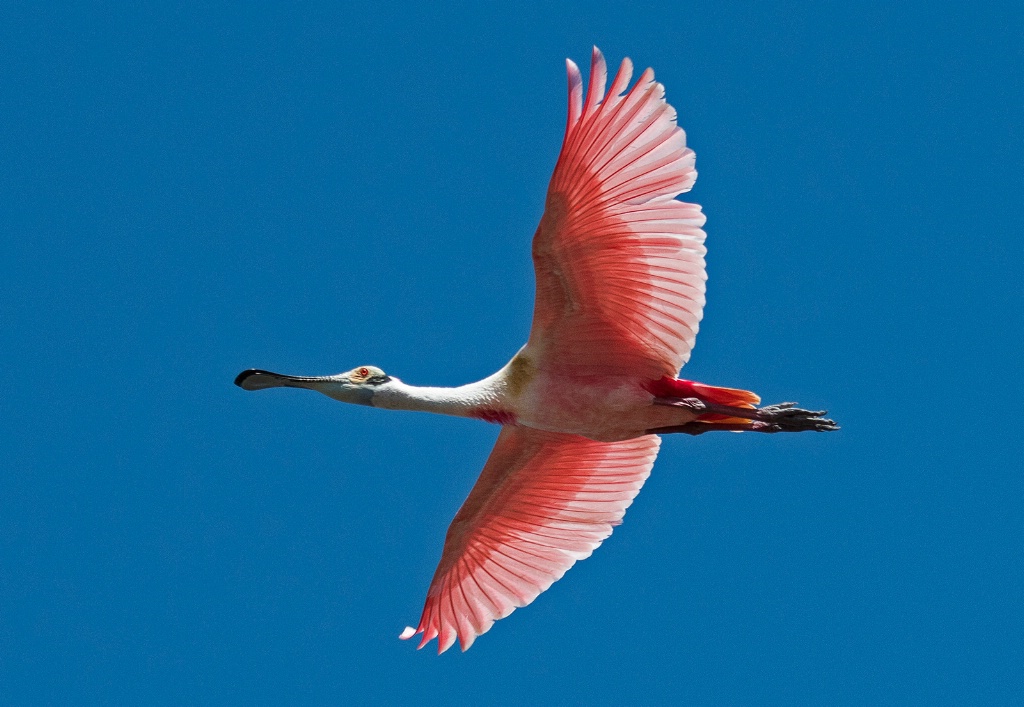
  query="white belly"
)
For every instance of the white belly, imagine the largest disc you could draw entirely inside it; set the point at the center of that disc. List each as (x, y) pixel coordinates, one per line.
(602, 409)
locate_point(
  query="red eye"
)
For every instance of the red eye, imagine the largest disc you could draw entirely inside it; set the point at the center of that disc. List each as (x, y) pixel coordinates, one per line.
(364, 372)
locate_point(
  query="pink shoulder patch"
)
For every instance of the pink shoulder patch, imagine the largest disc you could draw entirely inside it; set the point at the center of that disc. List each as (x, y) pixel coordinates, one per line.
(671, 388)
(498, 417)
(668, 387)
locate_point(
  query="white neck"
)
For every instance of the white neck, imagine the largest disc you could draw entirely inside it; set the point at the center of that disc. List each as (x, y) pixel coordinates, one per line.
(461, 401)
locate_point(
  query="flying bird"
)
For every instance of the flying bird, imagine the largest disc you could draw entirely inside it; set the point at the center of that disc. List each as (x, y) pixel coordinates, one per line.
(619, 266)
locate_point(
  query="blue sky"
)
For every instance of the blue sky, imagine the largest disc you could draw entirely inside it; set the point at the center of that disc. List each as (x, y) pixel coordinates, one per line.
(188, 192)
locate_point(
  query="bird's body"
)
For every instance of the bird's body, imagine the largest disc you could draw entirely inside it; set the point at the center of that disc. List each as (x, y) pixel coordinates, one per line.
(604, 408)
(620, 276)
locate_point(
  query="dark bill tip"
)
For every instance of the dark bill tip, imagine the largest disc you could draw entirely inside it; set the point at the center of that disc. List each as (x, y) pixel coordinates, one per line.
(255, 379)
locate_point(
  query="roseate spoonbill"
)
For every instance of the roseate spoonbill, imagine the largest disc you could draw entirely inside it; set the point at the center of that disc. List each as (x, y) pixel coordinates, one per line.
(619, 265)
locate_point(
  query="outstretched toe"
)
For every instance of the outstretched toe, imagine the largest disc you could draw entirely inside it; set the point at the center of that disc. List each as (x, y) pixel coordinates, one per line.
(786, 417)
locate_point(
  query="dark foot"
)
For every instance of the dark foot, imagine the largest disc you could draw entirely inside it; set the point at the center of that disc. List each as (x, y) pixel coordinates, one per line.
(783, 417)
(789, 418)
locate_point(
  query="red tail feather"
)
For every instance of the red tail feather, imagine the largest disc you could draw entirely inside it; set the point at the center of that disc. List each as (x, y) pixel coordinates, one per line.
(675, 388)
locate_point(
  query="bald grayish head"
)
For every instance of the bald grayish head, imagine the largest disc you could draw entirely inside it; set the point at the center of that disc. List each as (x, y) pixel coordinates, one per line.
(357, 386)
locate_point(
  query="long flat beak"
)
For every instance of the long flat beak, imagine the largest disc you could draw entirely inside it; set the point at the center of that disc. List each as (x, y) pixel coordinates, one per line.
(255, 379)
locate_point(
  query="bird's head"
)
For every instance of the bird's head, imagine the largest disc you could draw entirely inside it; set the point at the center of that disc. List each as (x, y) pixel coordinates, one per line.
(356, 386)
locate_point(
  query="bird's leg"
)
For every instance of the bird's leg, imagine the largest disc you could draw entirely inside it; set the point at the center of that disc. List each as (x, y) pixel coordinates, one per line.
(698, 428)
(782, 417)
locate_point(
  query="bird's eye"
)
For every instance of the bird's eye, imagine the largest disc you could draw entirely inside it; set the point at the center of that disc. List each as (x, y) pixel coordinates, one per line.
(364, 372)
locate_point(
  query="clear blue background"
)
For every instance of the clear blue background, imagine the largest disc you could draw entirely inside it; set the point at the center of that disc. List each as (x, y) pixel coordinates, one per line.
(186, 192)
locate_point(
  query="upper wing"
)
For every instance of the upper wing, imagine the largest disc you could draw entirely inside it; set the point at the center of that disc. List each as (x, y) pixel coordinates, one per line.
(543, 501)
(619, 262)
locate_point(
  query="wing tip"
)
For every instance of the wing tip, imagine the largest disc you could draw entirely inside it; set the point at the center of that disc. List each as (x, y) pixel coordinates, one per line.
(443, 642)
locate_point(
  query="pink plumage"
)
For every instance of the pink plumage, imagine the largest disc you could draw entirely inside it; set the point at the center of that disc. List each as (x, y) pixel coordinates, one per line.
(620, 289)
(543, 501)
(620, 276)
(619, 262)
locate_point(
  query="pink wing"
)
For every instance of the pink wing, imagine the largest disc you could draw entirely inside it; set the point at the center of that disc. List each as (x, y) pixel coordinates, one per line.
(619, 262)
(543, 501)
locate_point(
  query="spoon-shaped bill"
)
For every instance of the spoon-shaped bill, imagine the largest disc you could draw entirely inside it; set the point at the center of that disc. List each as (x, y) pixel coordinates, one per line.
(255, 379)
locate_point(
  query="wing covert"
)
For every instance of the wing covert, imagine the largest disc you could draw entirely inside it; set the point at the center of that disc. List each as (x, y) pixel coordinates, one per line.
(543, 501)
(619, 262)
